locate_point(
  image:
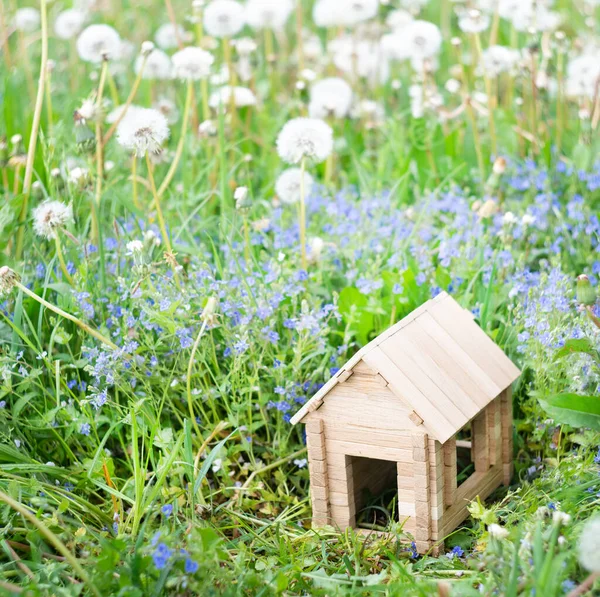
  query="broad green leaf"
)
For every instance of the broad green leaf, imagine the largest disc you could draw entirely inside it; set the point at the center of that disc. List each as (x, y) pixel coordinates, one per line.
(577, 345)
(575, 410)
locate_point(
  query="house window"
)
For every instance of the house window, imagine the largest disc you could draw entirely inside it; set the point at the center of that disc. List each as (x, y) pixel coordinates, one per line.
(465, 465)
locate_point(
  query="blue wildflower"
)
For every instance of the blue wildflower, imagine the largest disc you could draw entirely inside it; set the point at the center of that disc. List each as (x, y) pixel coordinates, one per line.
(161, 556)
(191, 566)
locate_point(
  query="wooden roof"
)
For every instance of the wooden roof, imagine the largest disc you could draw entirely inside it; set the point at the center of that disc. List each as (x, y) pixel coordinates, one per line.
(439, 361)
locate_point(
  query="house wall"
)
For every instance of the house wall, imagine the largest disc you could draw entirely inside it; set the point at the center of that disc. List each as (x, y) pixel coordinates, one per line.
(363, 418)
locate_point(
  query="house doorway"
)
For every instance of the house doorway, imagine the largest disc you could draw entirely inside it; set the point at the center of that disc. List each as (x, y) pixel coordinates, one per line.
(375, 491)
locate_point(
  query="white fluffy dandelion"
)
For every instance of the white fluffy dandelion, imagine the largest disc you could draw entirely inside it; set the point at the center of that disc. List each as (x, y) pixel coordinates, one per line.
(49, 216)
(473, 21)
(308, 138)
(242, 97)
(192, 63)
(287, 186)
(224, 18)
(115, 113)
(143, 131)
(344, 13)
(583, 73)
(496, 60)
(166, 36)
(99, 42)
(423, 40)
(268, 14)
(27, 20)
(589, 545)
(158, 66)
(69, 23)
(330, 97)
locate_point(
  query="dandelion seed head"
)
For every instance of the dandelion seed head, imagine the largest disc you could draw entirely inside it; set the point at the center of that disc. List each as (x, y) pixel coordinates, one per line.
(287, 186)
(496, 60)
(330, 97)
(99, 42)
(473, 21)
(69, 23)
(49, 216)
(158, 65)
(344, 13)
(143, 131)
(423, 40)
(589, 545)
(192, 63)
(8, 279)
(27, 20)
(242, 97)
(497, 532)
(308, 138)
(166, 36)
(224, 18)
(268, 14)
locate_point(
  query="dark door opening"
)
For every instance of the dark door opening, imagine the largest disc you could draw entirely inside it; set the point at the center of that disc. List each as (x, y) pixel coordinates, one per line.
(375, 492)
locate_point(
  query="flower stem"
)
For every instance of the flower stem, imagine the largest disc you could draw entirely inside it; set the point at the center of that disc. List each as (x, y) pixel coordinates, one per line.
(179, 150)
(51, 537)
(61, 259)
(299, 38)
(84, 326)
(302, 216)
(37, 113)
(189, 379)
(134, 186)
(159, 213)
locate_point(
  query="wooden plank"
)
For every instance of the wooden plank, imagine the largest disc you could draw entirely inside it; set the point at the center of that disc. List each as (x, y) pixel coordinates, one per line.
(366, 435)
(494, 429)
(421, 479)
(481, 449)
(361, 368)
(442, 369)
(415, 418)
(475, 342)
(486, 483)
(435, 422)
(344, 376)
(450, 472)
(368, 451)
(317, 467)
(506, 418)
(464, 369)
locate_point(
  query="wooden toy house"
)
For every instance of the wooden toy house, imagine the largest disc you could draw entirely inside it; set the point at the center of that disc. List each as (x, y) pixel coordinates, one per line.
(395, 415)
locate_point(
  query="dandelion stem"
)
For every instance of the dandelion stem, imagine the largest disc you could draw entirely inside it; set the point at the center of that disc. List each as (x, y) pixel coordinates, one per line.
(84, 326)
(189, 378)
(51, 537)
(302, 216)
(134, 186)
(5, 44)
(37, 113)
(476, 138)
(49, 112)
(99, 144)
(128, 102)
(61, 259)
(114, 94)
(159, 213)
(181, 143)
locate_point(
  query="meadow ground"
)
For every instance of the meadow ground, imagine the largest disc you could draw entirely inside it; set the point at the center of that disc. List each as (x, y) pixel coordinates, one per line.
(185, 262)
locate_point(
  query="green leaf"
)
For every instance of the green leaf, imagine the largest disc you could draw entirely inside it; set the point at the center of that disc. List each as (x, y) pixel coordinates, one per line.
(352, 305)
(575, 410)
(576, 345)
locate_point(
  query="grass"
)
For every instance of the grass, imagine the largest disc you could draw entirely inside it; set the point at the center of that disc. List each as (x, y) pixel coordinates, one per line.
(145, 443)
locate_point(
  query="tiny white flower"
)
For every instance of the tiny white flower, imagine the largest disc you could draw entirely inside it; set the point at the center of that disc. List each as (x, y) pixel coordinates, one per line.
(287, 186)
(217, 464)
(527, 220)
(99, 42)
(309, 138)
(496, 531)
(49, 216)
(18, 443)
(69, 23)
(561, 518)
(224, 18)
(192, 63)
(207, 128)
(301, 462)
(143, 131)
(135, 247)
(589, 545)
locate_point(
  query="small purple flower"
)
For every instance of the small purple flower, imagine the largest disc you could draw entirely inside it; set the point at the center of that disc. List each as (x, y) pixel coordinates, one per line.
(191, 566)
(167, 510)
(85, 429)
(161, 556)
